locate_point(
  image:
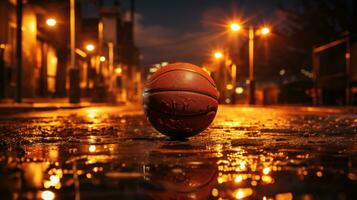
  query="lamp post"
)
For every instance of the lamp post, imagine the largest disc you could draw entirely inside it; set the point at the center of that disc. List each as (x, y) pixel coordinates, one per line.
(235, 27)
(218, 56)
(18, 94)
(251, 90)
(89, 48)
(264, 31)
(74, 89)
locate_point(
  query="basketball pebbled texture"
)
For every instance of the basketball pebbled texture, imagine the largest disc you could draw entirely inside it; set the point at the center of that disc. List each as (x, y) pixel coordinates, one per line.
(180, 100)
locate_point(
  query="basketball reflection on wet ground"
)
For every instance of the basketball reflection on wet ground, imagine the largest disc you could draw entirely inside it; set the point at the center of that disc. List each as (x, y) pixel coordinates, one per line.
(113, 153)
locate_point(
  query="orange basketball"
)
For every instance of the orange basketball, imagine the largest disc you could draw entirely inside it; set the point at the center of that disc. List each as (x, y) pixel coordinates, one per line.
(180, 100)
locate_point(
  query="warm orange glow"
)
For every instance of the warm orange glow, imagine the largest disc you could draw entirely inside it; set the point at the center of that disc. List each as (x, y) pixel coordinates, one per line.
(218, 55)
(47, 184)
(118, 70)
(102, 59)
(47, 195)
(238, 179)
(92, 113)
(243, 193)
(215, 192)
(267, 179)
(90, 47)
(92, 148)
(229, 86)
(239, 90)
(81, 53)
(54, 180)
(266, 170)
(222, 179)
(242, 166)
(51, 22)
(319, 174)
(265, 31)
(347, 55)
(235, 27)
(284, 196)
(254, 183)
(89, 175)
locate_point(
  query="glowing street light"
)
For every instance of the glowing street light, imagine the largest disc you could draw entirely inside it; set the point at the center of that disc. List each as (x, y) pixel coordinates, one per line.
(47, 195)
(252, 31)
(118, 70)
(235, 27)
(265, 31)
(229, 86)
(51, 22)
(102, 59)
(218, 55)
(90, 47)
(239, 90)
(74, 88)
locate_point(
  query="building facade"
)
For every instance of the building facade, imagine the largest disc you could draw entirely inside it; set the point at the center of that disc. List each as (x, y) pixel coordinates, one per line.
(110, 70)
(119, 63)
(43, 51)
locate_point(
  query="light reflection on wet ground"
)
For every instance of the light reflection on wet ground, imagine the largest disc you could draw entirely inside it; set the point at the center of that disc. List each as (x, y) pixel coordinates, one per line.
(113, 153)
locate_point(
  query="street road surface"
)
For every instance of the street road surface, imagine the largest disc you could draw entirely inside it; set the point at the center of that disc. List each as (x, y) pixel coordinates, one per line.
(113, 153)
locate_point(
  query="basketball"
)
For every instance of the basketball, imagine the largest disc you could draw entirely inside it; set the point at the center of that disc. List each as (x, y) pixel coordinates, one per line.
(180, 100)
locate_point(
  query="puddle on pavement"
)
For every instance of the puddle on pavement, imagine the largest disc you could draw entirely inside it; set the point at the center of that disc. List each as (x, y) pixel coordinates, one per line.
(122, 157)
(108, 171)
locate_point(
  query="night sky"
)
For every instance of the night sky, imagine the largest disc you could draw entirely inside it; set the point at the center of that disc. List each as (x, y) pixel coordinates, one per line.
(189, 30)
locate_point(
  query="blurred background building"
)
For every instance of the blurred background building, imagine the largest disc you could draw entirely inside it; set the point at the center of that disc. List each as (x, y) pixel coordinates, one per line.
(44, 53)
(106, 54)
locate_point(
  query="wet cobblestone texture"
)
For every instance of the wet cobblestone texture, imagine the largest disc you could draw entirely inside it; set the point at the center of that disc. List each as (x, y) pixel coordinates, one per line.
(113, 153)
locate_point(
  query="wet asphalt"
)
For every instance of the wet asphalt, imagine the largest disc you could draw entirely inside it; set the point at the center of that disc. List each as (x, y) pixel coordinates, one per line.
(113, 153)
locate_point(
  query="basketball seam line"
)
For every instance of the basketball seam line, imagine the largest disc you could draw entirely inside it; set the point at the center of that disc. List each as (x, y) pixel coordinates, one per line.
(179, 90)
(184, 70)
(175, 115)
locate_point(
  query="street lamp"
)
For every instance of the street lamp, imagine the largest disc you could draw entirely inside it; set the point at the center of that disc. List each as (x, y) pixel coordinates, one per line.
(51, 22)
(229, 86)
(235, 27)
(74, 88)
(264, 31)
(251, 93)
(118, 70)
(218, 55)
(90, 47)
